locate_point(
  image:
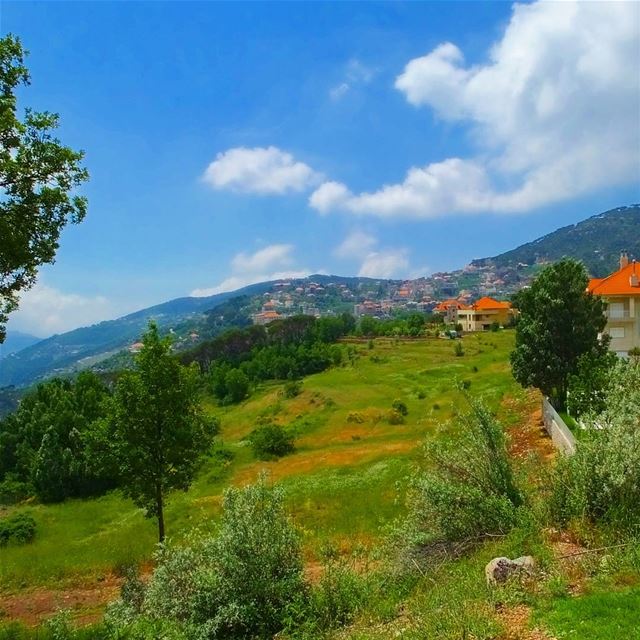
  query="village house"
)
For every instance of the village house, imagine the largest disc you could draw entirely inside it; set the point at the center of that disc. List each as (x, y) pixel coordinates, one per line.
(621, 292)
(483, 313)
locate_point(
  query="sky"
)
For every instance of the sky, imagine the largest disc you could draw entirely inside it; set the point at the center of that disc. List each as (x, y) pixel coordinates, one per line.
(230, 143)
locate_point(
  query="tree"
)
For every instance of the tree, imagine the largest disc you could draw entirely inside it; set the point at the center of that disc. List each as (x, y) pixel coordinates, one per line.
(559, 322)
(158, 429)
(37, 177)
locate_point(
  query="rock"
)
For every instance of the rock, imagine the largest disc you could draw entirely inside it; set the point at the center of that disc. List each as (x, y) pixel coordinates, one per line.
(526, 562)
(499, 570)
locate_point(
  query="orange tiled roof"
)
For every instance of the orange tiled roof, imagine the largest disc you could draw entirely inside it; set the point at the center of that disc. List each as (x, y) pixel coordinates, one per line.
(490, 303)
(618, 283)
(452, 302)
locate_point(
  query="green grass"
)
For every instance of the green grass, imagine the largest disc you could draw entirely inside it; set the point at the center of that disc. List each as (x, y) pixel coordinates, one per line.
(342, 480)
(606, 615)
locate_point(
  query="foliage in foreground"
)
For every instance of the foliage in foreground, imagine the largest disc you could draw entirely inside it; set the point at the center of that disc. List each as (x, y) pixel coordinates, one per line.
(238, 584)
(467, 489)
(601, 481)
(157, 425)
(559, 322)
(39, 178)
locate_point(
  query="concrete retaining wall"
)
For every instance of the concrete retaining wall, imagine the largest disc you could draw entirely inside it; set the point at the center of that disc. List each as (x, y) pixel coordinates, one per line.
(562, 437)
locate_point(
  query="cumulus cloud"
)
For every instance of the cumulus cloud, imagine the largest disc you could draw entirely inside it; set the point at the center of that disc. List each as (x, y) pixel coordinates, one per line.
(392, 263)
(261, 170)
(329, 195)
(275, 255)
(356, 245)
(273, 262)
(553, 112)
(45, 310)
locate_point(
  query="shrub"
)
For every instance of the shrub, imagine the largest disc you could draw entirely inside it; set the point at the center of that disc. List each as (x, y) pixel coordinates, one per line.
(355, 416)
(13, 490)
(400, 407)
(238, 584)
(19, 528)
(467, 489)
(395, 417)
(292, 389)
(601, 481)
(495, 326)
(237, 386)
(271, 441)
(458, 350)
(588, 386)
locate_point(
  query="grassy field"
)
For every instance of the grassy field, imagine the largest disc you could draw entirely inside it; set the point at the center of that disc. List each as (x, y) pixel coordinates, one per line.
(342, 481)
(345, 483)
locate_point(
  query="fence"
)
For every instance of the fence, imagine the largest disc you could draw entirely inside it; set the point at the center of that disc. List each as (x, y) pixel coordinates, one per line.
(562, 438)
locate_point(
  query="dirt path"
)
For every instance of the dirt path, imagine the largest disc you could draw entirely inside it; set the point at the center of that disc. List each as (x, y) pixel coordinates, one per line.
(85, 603)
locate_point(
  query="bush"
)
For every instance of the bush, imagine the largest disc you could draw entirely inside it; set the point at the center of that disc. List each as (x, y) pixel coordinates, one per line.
(400, 407)
(495, 326)
(13, 490)
(458, 350)
(237, 386)
(467, 489)
(238, 584)
(395, 417)
(601, 481)
(292, 389)
(271, 441)
(588, 387)
(19, 529)
(355, 416)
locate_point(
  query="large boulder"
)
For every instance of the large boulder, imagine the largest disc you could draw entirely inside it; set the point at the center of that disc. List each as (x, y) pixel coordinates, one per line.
(499, 570)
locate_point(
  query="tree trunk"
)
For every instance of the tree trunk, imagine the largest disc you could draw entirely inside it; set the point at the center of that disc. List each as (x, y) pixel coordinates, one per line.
(160, 510)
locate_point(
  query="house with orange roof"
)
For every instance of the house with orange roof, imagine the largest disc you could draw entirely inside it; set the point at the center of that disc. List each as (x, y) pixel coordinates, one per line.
(450, 309)
(265, 317)
(621, 292)
(483, 313)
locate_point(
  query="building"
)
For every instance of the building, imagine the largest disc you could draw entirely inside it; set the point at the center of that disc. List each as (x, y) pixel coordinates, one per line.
(621, 292)
(480, 315)
(449, 309)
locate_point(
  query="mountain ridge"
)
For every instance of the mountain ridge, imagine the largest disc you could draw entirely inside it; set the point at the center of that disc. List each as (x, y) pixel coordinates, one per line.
(597, 240)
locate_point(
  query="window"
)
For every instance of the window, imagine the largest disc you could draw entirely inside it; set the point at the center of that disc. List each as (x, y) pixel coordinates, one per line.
(616, 332)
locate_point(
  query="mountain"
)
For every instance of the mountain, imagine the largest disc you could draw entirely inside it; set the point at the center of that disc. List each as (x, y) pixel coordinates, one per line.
(15, 341)
(87, 346)
(597, 241)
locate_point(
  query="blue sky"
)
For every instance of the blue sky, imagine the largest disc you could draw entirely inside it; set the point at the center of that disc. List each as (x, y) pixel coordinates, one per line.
(232, 142)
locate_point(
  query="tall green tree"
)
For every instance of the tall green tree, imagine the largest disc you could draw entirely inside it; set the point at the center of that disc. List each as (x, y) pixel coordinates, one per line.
(559, 322)
(38, 176)
(158, 429)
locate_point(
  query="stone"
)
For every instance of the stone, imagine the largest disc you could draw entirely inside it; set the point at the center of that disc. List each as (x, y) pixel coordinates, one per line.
(499, 570)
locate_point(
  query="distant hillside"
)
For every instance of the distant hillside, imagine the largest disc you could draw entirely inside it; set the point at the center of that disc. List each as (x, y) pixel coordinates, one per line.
(87, 346)
(15, 341)
(597, 241)
(61, 352)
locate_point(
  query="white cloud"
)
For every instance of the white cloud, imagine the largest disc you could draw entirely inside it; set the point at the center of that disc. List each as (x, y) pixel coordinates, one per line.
(329, 195)
(262, 170)
(392, 263)
(45, 310)
(339, 91)
(356, 74)
(275, 255)
(553, 112)
(237, 282)
(273, 262)
(356, 245)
